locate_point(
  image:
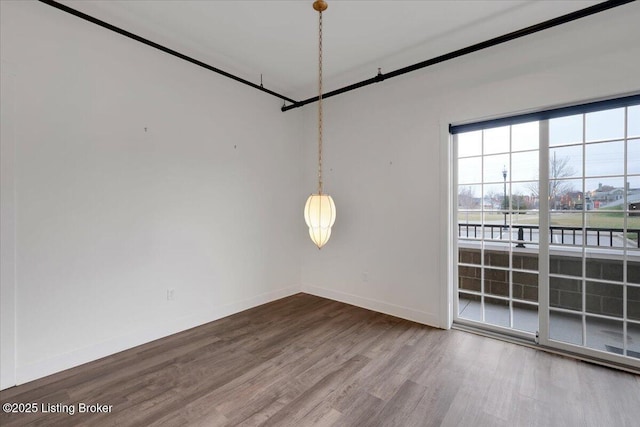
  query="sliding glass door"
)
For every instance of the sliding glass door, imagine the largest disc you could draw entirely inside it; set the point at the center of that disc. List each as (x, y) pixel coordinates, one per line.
(548, 227)
(594, 231)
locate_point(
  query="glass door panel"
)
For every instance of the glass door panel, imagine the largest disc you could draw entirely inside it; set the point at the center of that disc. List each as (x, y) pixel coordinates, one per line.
(593, 305)
(498, 222)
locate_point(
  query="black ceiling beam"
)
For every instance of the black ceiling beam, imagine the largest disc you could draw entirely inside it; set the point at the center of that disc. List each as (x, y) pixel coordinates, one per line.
(160, 47)
(591, 10)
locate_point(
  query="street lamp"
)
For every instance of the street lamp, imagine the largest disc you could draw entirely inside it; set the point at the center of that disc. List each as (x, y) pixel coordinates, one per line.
(506, 201)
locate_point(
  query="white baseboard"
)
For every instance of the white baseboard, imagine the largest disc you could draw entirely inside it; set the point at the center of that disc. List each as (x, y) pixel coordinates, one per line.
(418, 316)
(88, 354)
(94, 352)
(7, 381)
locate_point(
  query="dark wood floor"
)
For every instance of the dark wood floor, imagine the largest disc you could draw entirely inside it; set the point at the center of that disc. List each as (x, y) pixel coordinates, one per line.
(305, 360)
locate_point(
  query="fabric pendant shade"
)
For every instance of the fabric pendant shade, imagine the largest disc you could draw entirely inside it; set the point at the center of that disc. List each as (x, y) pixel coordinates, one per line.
(320, 215)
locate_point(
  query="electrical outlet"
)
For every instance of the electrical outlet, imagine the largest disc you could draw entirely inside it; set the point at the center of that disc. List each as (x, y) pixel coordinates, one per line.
(170, 294)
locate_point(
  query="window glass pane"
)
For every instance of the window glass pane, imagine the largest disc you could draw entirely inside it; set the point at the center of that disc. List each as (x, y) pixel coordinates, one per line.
(565, 130)
(604, 299)
(496, 312)
(633, 121)
(525, 317)
(606, 193)
(496, 282)
(470, 255)
(633, 268)
(496, 140)
(565, 162)
(526, 260)
(525, 286)
(633, 211)
(605, 229)
(468, 233)
(470, 144)
(520, 204)
(633, 340)
(469, 196)
(565, 327)
(469, 278)
(469, 224)
(529, 190)
(605, 265)
(496, 225)
(607, 124)
(633, 302)
(566, 208)
(606, 158)
(494, 167)
(609, 225)
(525, 136)
(565, 293)
(493, 198)
(566, 194)
(633, 238)
(604, 334)
(564, 236)
(496, 258)
(524, 166)
(633, 156)
(470, 170)
(469, 306)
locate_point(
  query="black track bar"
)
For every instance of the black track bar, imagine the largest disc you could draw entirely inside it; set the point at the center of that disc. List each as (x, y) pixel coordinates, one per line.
(591, 10)
(165, 49)
(624, 101)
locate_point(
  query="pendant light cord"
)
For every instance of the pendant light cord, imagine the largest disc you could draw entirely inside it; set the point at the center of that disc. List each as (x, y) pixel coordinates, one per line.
(320, 104)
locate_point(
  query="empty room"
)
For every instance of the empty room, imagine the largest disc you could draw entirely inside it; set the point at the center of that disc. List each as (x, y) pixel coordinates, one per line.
(331, 213)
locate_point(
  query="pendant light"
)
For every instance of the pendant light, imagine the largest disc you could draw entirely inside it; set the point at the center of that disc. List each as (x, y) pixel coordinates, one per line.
(320, 211)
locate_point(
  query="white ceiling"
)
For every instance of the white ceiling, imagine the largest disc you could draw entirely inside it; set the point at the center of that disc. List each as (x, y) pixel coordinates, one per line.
(278, 39)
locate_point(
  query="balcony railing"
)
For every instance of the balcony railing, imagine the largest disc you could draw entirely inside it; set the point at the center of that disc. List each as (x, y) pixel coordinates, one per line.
(602, 237)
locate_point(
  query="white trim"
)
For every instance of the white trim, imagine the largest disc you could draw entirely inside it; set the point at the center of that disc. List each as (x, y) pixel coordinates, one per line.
(87, 354)
(447, 261)
(562, 352)
(625, 226)
(591, 353)
(507, 331)
(543, 233)
(430, 319)
(8, 232)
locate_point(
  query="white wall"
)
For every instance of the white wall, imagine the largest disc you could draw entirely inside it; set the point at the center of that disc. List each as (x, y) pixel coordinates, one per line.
(7, 230)
(386, 155)
(208, 200)
(134, 173)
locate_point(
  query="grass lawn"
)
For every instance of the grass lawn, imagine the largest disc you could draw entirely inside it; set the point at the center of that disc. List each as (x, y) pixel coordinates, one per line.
(559, 218)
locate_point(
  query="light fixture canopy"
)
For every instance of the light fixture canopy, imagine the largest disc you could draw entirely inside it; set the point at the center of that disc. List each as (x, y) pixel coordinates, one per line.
(320, 5)
(320, 210)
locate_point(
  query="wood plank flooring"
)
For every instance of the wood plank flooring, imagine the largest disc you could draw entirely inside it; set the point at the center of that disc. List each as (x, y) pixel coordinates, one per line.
(306, 361)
